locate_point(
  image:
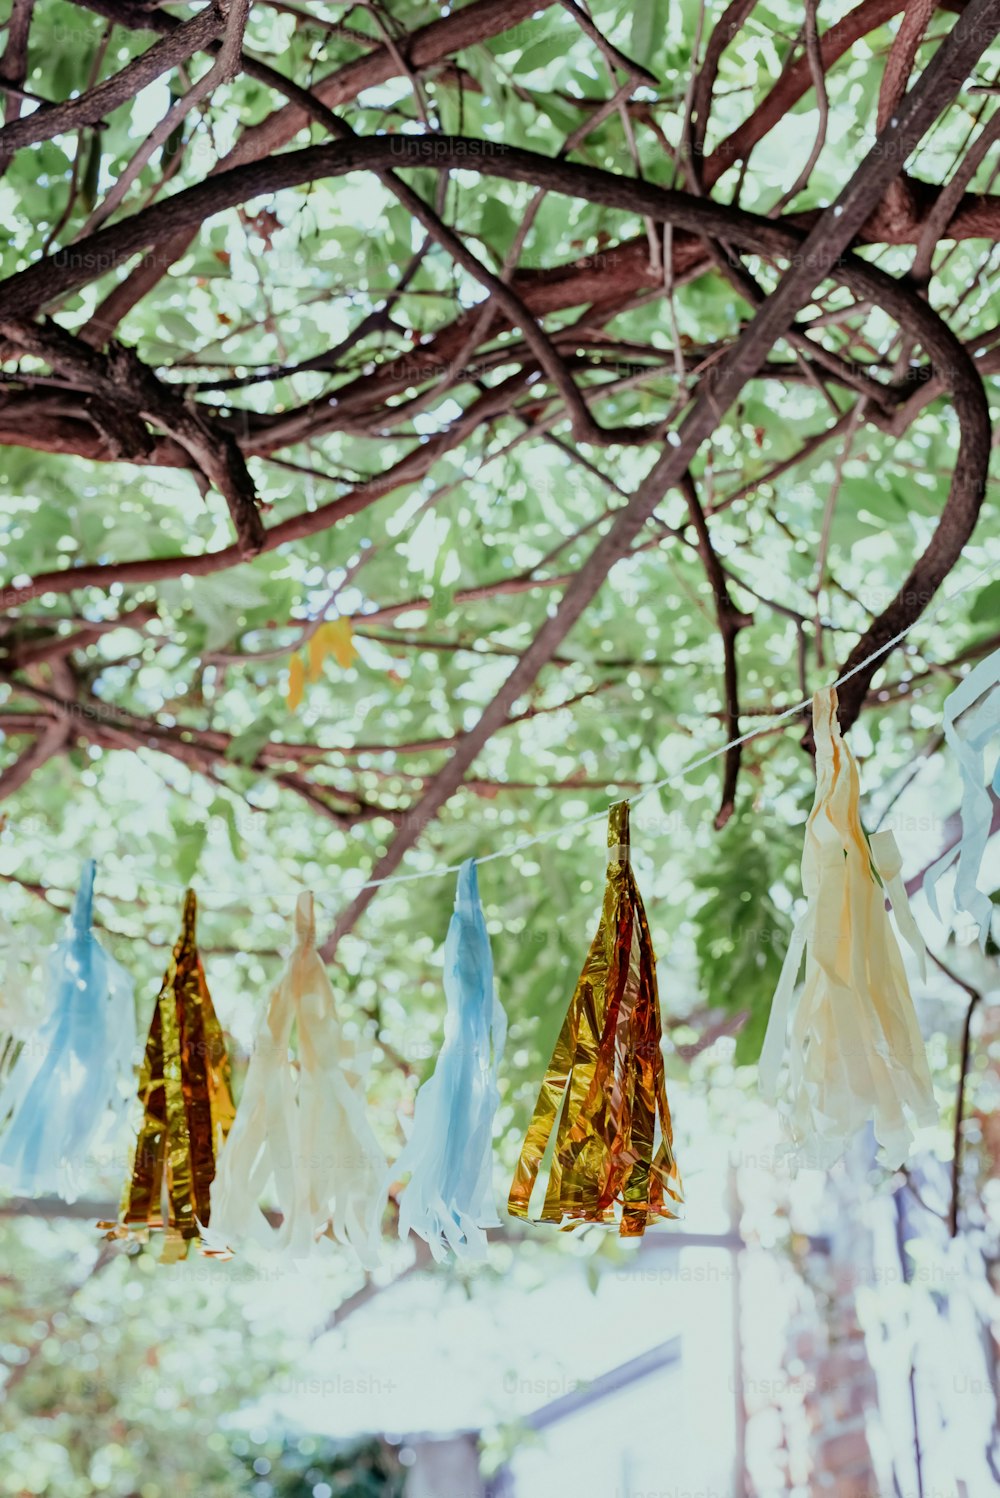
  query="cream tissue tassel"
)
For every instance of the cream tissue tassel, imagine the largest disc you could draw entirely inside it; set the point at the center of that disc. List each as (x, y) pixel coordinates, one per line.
(850, 1037)
(301, 1134)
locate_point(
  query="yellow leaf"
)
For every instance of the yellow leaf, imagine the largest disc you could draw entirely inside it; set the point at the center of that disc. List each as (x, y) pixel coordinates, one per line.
(317, 648)
(296, 683)
(342, 643)
(333, 638)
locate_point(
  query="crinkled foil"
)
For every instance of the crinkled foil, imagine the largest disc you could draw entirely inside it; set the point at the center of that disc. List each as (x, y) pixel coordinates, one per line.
(184, 1088)
(605, 1081)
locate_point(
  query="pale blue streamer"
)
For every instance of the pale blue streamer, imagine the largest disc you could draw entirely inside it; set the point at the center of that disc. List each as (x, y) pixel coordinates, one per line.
(449, 1200)
(73, 1078)
(978, 697)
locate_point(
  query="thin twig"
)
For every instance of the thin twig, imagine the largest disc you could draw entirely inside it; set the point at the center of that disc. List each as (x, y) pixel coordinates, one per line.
(818, 75)
(224, 68)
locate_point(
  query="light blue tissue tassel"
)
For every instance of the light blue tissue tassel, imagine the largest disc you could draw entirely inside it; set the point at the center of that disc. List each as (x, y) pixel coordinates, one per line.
(971, 723)
(72, 1079)
(449, 1199)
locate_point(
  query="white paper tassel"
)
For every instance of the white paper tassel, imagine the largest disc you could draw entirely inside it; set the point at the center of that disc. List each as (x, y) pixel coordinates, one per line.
(850, 1036)
(301, 1135)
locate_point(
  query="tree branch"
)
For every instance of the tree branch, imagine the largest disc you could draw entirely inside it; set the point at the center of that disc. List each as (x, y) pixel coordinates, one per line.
(833, 233)
(119, 379)
(730, 620)
(93, 106)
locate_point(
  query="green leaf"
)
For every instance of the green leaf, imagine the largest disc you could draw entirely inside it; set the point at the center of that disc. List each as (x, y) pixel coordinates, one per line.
(649, 27)
(190, 843)
(497, 227)
(220, 807)
(221, 602)
(545, 50)
(740, 935)
(246, 746)
(985, 607)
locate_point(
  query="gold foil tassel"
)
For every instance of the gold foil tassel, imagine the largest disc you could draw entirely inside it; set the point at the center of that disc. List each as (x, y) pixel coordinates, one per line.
(184, 1088)
(605, 1080)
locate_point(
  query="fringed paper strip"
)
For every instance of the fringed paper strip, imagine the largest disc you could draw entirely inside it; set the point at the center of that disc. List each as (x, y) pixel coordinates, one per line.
(971, 722)
(302, 1132)
(850, 1036)
(187, 1106)
(71, 1079)
(605, 1080)
(448, 1200)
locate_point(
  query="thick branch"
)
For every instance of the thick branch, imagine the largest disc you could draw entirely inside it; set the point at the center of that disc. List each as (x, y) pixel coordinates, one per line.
(14, 63)
(32, 650)
(431, 44)
(902, 55)
(954, 366)
(119, 379)
(723, 31)
(50, 742)
(795, 83)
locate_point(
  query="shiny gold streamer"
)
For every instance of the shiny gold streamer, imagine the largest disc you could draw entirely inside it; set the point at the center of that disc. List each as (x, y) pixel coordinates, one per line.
(184, 1088)
(605, 1080)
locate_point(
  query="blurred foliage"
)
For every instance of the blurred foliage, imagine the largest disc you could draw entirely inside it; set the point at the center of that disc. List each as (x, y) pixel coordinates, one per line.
(311, 1468)
(741, 935)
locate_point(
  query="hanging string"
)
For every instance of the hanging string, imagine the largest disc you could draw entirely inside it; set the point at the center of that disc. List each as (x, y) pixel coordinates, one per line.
(439, 871)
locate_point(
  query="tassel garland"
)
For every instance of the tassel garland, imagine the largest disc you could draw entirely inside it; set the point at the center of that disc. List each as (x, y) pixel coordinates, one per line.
(187, 1106)
(605, 1080)
(850, 1036)
(302, 1130)
(70, 1080)
(300, 1165)
(448, 1200)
